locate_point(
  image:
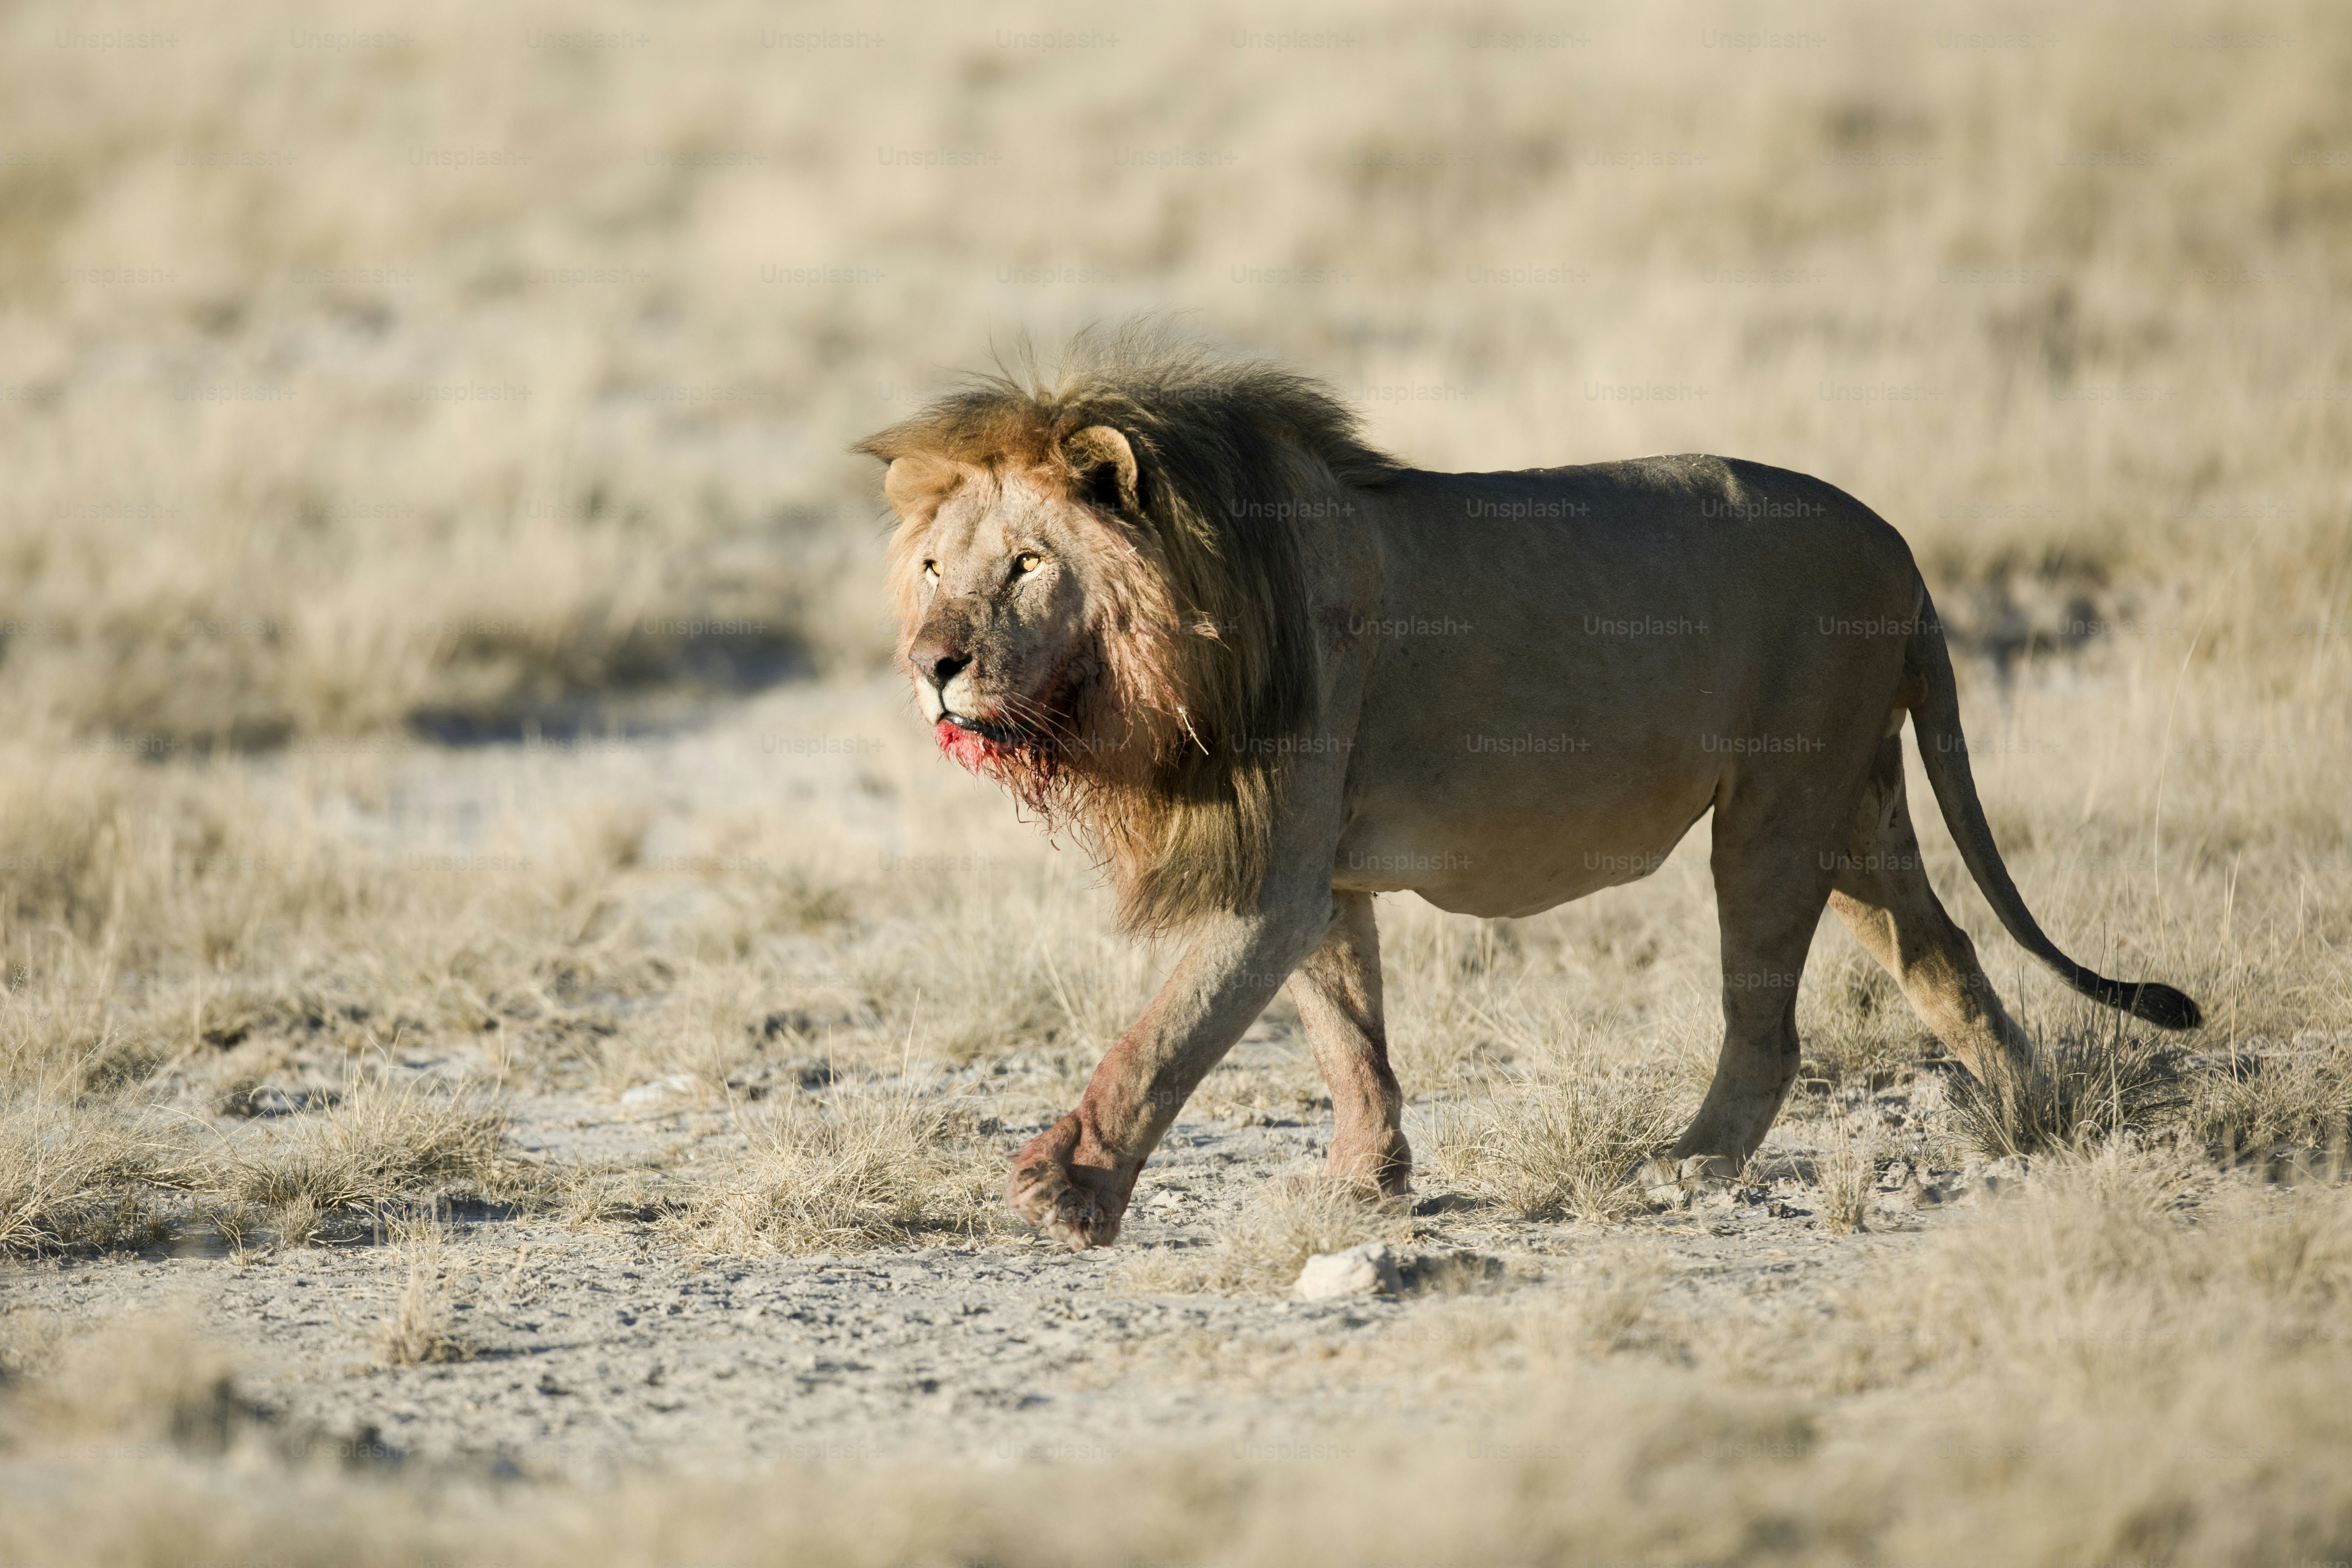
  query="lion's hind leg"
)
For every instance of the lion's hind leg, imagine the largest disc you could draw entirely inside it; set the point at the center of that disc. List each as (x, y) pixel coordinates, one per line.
(1883, 895)
(1769, 886)
(1337, 990)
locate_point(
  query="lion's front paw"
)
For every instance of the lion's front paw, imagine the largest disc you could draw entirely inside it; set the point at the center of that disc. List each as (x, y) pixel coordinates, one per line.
(1077, 1206)
(1658, 1182)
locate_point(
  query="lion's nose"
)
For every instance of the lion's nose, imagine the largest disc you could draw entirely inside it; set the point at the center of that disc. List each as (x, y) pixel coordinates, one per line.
(940, 663)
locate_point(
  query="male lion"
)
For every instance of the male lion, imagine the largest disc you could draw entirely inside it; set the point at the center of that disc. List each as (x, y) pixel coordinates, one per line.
(1265, 671)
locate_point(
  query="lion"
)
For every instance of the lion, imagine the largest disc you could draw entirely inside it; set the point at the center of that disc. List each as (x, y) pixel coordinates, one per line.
(1175, 603)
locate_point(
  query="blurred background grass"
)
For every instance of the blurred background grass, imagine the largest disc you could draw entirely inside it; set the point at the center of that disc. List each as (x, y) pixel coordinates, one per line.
(431, 370)
(380, 379)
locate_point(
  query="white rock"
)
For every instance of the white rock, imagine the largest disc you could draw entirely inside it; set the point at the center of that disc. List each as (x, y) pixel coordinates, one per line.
(661, 1089)
(1367, 1270)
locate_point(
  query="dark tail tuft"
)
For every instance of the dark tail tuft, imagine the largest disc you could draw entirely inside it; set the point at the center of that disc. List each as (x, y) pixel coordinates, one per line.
(2163, 1006)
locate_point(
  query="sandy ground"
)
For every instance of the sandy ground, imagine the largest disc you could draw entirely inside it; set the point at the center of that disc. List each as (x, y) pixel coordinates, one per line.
(593, 1351)
(613, 1345)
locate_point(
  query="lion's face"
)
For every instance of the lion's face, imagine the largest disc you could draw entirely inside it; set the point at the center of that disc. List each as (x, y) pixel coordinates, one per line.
(999, 643)
(1089, 620)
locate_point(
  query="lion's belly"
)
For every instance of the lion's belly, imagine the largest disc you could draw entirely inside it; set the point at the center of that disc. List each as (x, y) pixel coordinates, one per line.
(1509, 798)
(1510, 863)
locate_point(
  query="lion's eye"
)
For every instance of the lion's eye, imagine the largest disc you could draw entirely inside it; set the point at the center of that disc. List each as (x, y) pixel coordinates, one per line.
(931, 570)
(1028, 561)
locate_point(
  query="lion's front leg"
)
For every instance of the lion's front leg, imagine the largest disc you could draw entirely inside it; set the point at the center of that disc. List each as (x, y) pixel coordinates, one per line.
(1337, 990)
(1073, 1180)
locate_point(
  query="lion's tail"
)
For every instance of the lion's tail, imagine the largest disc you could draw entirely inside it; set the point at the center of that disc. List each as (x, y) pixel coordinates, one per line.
(1944, 752)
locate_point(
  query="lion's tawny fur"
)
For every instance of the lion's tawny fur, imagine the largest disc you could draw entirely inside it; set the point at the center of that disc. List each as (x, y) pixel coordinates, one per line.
(1169, 765)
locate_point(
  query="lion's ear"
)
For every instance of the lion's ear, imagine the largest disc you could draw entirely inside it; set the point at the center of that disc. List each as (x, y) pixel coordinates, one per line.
(918, 482)
(1103, 466)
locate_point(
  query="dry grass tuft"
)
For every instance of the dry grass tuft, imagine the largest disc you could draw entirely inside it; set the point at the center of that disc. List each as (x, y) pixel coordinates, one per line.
(1006, 961)
(1561, 1150)
(1848, 1174)
(2299, 1101)
(74, 1176)
(1592, 1096)
(384, 1142)
(2075, 1091)
(423, 1323)
(69, 1176)
(606, 1194)
(1261, 1242)
(851, 1170)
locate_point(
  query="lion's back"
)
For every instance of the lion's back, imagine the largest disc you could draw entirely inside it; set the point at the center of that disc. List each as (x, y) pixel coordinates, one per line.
(1721, 541)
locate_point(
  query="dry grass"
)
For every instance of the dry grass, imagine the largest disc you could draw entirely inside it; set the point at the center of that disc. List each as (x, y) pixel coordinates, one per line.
(2296, 1101)
(854, 1169)
(2129, 1363)
(30, 1341)
(2115, 1281)
(1594, 1303)
(81, 1177)
(1848, 1174)
(480, 563)
(2075, 1091)
(1612, 1296)
(1261, 1242)
(384, 1142)
(1558, 1151)
(423, 1324)
(69, 1178)
(591, 1195)
(1559, 1141)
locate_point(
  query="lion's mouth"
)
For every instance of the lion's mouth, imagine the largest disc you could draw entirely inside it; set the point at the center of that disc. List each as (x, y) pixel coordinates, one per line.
(1036, 742)
(994, 730)
(982, 745)
(1046, 715)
